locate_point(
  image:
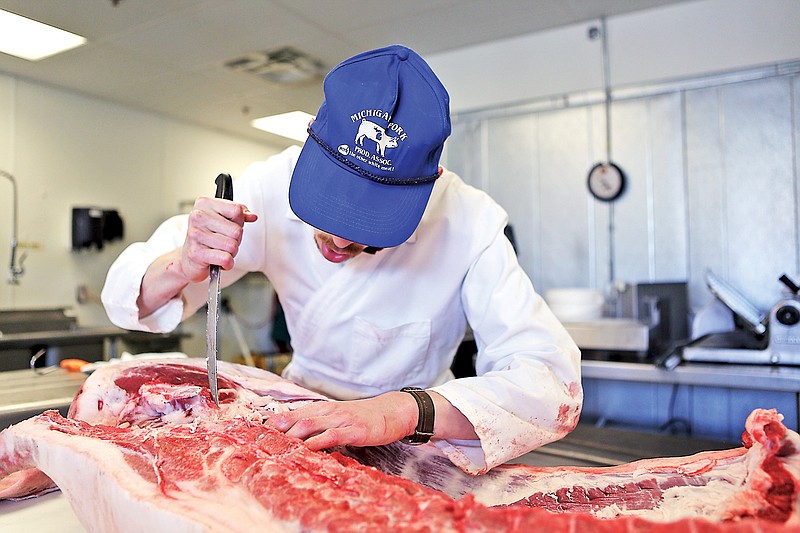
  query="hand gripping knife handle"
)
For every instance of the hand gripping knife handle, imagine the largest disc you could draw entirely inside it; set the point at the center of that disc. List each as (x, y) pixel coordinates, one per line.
(224, 190)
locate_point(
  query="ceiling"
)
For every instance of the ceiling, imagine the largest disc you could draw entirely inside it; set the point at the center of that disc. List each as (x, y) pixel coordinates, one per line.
(168, 56)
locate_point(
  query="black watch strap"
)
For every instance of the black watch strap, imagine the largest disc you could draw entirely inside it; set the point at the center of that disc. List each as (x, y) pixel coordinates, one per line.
(424, 430)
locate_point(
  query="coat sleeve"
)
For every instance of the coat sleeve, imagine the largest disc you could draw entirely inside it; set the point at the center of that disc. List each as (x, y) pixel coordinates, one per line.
(528, 390)
(123, 282)
(124, 279)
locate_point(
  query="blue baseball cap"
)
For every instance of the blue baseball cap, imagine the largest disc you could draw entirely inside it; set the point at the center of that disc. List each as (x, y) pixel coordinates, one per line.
(367, 169)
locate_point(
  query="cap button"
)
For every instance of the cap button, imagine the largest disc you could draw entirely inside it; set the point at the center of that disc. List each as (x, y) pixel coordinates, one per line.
(402, 54)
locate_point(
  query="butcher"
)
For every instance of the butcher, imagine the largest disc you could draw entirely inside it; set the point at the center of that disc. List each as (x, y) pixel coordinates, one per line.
(381, 259)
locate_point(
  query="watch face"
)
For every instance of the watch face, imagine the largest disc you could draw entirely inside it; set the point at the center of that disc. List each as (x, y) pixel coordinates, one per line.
(606, 181)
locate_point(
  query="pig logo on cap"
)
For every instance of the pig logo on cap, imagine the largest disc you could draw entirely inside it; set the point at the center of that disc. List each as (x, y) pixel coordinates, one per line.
(369, 130)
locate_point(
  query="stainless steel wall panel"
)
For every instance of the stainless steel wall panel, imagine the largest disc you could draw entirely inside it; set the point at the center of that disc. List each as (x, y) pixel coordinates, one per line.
(705, 199)
(796, 151)
(462, 152)
(513, 180)
(713, 184)
(634, 223)
(720, 413)
(610, 402)
(564, 206)
(759, 185)
(669, 253)
(712, 412)
(651, 222)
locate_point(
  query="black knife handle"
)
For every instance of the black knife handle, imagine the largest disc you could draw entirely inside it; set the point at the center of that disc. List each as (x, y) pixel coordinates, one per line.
(224, 187)
(224, 190)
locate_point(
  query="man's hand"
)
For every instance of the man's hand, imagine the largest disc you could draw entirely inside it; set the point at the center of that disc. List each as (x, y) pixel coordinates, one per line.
(215, 232)
(371, 422)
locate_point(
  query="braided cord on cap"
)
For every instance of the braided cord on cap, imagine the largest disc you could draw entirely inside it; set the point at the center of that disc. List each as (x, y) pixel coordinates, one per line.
(367, 174)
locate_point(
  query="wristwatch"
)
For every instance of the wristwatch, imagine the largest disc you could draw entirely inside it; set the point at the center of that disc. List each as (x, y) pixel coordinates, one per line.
(424, 430)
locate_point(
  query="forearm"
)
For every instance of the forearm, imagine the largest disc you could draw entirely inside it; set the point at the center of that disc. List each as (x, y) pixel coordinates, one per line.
(449, 422)
(385, 418)
(214, 233)
(163, 281)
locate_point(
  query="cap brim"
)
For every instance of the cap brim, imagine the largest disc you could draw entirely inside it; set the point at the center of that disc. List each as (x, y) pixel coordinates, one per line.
(336, 200)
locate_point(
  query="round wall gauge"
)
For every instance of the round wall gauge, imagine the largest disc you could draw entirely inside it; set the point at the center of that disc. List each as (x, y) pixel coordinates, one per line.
(606, 181)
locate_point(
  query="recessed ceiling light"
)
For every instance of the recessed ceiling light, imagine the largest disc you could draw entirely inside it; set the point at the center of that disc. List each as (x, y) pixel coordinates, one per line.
(32, 40)
(292, 125)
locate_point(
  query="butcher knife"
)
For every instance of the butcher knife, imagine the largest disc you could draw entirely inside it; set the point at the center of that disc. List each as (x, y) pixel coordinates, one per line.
(224, 190)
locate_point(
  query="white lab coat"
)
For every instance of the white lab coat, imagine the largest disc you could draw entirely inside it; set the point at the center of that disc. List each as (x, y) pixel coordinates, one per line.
(380, 322)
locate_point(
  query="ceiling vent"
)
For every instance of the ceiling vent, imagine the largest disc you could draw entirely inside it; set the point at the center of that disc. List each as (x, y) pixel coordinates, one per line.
(281, 65)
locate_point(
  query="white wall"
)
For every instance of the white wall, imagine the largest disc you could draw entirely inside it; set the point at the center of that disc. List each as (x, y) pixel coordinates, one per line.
(678, 41)
(67, 150)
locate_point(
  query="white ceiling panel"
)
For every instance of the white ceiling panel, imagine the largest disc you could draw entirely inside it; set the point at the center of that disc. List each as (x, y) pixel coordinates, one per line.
(168, 56)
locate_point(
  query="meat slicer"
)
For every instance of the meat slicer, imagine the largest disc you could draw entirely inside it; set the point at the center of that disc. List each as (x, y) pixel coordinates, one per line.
(771, 338)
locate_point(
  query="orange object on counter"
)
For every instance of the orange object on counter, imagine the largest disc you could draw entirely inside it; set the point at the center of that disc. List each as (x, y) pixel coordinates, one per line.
(73, 365)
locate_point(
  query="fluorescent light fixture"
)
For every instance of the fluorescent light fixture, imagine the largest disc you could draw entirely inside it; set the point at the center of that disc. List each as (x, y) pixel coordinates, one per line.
(32, 40)
(292, 125)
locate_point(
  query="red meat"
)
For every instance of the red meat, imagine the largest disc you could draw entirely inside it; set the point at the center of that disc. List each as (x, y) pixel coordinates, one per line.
(147, 449)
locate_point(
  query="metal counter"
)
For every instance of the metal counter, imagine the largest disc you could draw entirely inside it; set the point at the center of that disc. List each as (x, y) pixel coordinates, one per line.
(89, 344)
(707, 400)
(24, 393)
(15, 340)
(768, 377)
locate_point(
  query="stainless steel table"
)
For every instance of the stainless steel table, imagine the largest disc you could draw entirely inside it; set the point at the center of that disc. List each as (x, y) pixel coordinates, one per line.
(25, 393)
(713, 400)
(767, 377)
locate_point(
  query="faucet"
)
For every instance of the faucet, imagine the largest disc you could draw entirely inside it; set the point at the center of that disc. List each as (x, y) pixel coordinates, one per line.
(15, 268)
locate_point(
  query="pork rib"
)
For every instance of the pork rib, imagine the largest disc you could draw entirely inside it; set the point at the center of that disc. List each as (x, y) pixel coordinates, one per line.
(147, 446)
(757, 480)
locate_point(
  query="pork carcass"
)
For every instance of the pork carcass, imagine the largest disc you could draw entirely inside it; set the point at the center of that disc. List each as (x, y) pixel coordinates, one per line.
(146, 449)
(759, 479)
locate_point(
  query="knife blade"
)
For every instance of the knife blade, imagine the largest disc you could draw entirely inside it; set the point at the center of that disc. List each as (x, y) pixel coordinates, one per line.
(224, 190)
